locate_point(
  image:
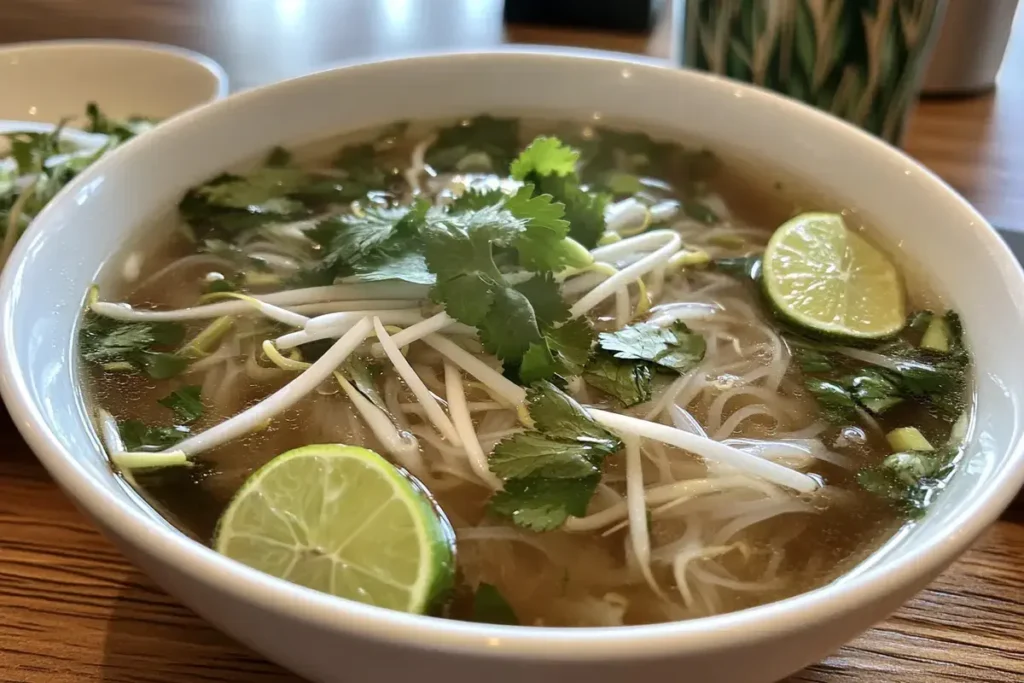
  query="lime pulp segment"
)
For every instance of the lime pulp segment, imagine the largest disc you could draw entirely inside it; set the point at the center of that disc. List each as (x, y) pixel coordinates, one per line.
(344, 521)
(827, 278)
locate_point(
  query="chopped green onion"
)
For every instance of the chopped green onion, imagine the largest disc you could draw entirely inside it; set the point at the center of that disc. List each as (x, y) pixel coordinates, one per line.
(936, 336)
(208, 339)
(908, 439)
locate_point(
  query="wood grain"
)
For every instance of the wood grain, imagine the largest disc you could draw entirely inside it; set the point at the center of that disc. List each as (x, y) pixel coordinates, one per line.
(73, 610)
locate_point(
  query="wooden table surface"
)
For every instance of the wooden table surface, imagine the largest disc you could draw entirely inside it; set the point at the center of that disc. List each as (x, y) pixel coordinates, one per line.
(72, 609)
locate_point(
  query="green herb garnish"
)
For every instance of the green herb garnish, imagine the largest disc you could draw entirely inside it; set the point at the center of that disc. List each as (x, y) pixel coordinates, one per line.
(628, 381)
(111, 344)
(137, 436)
(484, 143)
(875, 389)
(186, 404)
(491, 607)
(550, 167)
(552, 471)
(836, 404)
(674, 347)
(119, 129)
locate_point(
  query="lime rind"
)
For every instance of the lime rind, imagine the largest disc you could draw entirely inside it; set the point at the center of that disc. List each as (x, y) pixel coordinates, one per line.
(828, 279)
(342, 520)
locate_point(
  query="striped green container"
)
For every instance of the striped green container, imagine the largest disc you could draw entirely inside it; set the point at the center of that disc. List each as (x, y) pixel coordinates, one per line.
(862, 60)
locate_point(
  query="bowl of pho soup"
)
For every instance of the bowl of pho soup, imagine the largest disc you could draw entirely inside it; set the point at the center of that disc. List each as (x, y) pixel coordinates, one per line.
(529, 365)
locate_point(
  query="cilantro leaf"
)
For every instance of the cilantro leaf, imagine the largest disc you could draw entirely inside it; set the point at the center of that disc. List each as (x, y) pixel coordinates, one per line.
(700, 212)
(347, 239)
(812, 360)
(638, 154)
(186, 404)
(674, 347)
(540, 246)
(161, 365)
(490, 607)
(544, 504)
(359, 162)
(31, 150)
(410, 267)
(911, 479)
(467, 297)
(550, 167)
(627, 381)
(376, 244)
(231, 203)
(551, 472)
(121, 129)
(546, 298)
(836, 403)
(137, 436)
(874, 389)
(557, 414)
(584, 210)
(460, 251)
(104, 341)
(484, 142)
(474, 200)
(571, 345)
(533, 454)
(562, 352)
(510, 325)
(264, 191)
(545, 156)
(460, 254)
(937, 379)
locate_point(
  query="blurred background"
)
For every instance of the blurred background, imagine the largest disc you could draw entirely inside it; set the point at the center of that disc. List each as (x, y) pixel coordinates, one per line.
(968, 136)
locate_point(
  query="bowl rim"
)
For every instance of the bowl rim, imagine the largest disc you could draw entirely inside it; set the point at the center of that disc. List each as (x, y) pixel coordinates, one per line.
(202, 565)
(182, 54)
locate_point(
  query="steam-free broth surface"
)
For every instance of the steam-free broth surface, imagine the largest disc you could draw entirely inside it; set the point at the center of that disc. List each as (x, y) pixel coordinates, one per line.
(665, 533)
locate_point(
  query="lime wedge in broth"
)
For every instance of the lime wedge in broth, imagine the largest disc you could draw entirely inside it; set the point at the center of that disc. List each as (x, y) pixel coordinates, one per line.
(827, 278)
(344, 521)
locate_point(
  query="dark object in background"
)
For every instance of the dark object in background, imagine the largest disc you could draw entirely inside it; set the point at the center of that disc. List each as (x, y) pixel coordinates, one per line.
(1015, 240)
(634, 16)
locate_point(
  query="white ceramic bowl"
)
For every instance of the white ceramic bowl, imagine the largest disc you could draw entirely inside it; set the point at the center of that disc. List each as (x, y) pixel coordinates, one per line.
(51, 80)
(328, 639)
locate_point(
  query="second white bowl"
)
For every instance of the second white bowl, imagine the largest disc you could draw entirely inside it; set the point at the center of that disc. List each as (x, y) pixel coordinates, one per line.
(48, 81)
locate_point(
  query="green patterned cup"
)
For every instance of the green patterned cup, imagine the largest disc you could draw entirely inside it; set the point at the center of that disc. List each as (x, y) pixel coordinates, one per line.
(862, 60)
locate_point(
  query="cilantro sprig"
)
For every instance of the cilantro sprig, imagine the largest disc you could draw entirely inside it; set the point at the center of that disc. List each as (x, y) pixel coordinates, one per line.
(630, 357)
(378, 243)
(551, 472)
(550, 167)
(841, 384)
(491, 607)
(482, 143)
(112, 344)
(187, 406)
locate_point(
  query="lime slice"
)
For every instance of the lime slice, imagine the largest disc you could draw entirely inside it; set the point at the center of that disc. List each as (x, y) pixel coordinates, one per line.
(829, 279)
(344, 521)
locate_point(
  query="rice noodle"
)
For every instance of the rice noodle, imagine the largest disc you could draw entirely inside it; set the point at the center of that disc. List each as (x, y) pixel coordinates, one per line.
(712, 450)
(255, 417)
(429, 402)
(401, 445)
(636, 503)
(463, 422)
